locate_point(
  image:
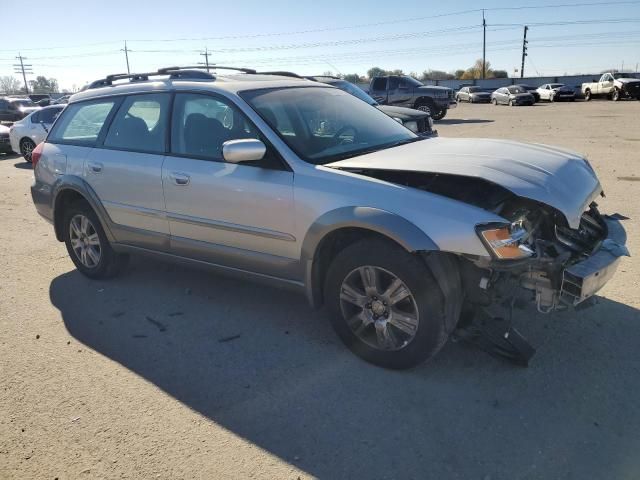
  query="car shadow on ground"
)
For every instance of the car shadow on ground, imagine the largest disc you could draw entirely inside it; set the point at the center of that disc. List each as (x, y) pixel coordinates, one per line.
(24, 165)
(461, 121)
(259, 362)
(9, 156)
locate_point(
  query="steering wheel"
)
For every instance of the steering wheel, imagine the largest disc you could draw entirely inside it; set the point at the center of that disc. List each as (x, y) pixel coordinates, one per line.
(344, 129)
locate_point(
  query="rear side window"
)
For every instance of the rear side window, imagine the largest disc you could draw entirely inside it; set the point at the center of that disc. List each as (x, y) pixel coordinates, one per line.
(48, 115)
(379, 83)
(140, 124)
(81, 123)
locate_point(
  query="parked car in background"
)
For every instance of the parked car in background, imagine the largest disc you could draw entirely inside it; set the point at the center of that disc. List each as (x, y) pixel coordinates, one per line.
(12, 109)
(302, 185)
(5, 144)
(531, 89)
(613, 86)
(415, 120)
(556, 92)
(473, 95)
(61, 101)
(512, 96)
(25, 134)
(406, 91)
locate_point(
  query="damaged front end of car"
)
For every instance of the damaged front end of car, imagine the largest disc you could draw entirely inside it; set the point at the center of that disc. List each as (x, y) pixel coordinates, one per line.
(540, 253)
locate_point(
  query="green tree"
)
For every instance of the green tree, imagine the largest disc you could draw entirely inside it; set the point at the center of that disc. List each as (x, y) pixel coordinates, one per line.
(376, 72)
(44, 85)
(500, 74)
(353, 78)
(436, 75)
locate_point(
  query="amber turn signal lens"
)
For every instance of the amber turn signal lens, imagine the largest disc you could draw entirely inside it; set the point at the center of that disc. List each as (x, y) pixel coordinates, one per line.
(502, 243)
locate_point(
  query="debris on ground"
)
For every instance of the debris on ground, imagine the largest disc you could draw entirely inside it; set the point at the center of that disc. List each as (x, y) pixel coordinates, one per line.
(228, 339)
(161, 326)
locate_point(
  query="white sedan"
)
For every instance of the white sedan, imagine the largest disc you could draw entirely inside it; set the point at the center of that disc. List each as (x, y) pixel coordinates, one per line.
(554, 92)
(25, 134)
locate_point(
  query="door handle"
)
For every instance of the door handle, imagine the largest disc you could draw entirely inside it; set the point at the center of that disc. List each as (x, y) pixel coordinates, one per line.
(95, 167)
(180, 178)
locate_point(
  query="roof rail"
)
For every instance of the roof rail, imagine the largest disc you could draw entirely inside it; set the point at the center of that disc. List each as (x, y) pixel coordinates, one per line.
(311, 77)
(195, 72)
(281, 73)
(202, 67)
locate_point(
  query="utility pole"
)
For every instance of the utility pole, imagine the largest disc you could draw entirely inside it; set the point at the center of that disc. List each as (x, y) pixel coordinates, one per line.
(524, 50)
(484, 46)
(206, 58)
(23, 68)
(126, 56)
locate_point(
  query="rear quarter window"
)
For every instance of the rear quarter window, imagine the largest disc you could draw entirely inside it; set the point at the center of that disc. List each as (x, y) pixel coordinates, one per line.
(82, 123)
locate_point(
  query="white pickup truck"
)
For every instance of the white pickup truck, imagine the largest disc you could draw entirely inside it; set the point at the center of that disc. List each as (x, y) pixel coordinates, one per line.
(614, 86)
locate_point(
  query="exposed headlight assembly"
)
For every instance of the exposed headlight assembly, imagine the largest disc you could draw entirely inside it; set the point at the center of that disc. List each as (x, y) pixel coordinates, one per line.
(413, 126)
(505, 241)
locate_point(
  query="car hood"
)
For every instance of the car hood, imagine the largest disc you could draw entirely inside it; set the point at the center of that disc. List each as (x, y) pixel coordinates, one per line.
(627, 80)
(563, 89)
(559, 178)
(426, 88)
(404, 114)
(28, 110)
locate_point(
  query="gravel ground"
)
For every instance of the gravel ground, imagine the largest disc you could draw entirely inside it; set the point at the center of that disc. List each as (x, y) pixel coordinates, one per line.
(173, 373)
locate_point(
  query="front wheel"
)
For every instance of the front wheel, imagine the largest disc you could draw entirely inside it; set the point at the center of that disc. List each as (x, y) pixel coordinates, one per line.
(386, 305)
(87, 244)
(511, 103)
(587, 95)
(439, 114)
(494, 101)
(615, 95)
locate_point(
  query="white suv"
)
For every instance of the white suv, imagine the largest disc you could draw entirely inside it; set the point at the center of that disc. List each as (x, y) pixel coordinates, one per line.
(300, 184)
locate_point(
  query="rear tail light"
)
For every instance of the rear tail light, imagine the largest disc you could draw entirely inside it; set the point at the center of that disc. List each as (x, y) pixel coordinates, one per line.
(36, 154)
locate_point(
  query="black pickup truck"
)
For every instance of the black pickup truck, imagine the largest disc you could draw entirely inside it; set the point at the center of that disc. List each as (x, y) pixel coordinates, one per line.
(406, 91)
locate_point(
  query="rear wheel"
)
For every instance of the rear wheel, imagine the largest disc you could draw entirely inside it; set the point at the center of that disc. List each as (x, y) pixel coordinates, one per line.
(385, 304)
(87, 243)
(427, 107)
(26, 148)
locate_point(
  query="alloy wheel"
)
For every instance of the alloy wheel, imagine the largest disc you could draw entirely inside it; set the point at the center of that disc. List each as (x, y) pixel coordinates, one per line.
(85, 241)
(26, 149)
(379, 308)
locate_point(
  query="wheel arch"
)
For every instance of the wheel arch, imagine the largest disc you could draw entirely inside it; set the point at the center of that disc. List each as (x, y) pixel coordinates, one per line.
(339, 228)
(69, 189)
(422, 100)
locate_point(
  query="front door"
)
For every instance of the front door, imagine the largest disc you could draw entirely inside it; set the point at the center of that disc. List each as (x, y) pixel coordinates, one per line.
(235, 215)
(125, 170)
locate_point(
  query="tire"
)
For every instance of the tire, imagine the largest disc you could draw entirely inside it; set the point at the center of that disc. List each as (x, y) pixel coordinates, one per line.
(104, 262)
(439, 114)
(494, 101)
(429, 327)
(26, 147)
(615, 95)
(510, 103)
(428, 107)
(552, 98)
(587, 95)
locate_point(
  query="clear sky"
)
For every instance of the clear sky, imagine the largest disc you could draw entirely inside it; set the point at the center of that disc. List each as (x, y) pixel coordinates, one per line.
(76, 42)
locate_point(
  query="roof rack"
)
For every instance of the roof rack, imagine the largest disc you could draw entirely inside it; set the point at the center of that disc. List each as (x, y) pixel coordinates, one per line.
(281, 73)
(185, 73)
(311, 77)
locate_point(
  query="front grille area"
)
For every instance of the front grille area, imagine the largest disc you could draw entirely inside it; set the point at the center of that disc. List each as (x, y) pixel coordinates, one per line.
(633, 89)
(586, 238)
(4, 138)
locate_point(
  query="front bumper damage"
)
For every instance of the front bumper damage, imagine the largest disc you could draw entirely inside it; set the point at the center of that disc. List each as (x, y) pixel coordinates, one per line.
(493, 290)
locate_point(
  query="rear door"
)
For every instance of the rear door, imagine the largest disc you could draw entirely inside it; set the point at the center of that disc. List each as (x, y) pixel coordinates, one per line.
(236, 215)
(399, 91)
(125, 169)
(379, 90)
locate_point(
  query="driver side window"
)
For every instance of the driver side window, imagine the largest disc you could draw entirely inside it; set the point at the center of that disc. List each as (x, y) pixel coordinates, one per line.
(202, 123)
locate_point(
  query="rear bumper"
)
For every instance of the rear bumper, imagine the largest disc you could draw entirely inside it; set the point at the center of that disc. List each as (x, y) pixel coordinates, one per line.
(41, 195)
(583, 279)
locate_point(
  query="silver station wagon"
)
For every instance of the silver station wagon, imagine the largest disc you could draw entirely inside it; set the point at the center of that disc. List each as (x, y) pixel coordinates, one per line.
(404, 239)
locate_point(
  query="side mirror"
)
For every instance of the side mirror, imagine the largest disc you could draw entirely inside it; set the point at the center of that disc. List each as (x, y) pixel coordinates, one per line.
(243, 150)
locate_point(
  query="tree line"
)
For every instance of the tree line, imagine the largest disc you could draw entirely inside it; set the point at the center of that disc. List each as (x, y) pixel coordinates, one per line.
(471, 73)
(12, 86)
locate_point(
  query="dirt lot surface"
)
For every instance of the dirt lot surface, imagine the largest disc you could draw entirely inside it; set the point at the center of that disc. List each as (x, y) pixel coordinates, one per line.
(173, 373)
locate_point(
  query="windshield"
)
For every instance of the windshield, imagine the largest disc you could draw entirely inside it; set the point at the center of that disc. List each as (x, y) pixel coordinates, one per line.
(412, 81)
(24, 103)
(517, 90)
(556, 85)
(353, 90)
(323, 125)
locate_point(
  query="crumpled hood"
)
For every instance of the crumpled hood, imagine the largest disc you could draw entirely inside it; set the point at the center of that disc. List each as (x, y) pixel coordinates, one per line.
(559, 178)
(627, 80)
